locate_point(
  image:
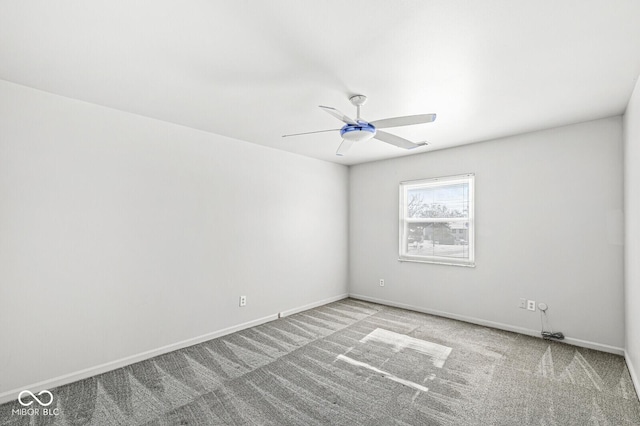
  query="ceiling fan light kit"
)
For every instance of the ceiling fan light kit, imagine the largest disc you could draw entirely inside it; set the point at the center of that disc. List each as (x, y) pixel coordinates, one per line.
(360, 130)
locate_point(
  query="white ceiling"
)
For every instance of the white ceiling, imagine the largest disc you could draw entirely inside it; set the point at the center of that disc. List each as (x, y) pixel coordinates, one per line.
(255, 70)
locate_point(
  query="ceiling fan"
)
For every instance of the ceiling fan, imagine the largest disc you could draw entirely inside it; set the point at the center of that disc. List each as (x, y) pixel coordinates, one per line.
(359, 130)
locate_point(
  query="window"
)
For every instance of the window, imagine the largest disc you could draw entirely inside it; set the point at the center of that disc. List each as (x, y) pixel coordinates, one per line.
(436, 220)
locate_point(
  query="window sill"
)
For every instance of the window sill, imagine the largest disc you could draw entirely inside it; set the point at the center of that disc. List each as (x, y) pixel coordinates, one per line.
(438, 262)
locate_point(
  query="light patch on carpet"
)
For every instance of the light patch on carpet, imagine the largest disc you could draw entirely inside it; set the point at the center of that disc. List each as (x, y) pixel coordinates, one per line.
(545, 367)
(437, 353)
(384, 373)
(580, 372)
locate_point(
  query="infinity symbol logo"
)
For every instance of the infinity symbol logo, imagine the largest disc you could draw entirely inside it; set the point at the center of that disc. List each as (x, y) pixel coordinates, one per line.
(35, 397)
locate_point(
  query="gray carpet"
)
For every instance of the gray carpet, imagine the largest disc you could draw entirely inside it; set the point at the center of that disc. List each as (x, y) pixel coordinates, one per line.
(357, 363)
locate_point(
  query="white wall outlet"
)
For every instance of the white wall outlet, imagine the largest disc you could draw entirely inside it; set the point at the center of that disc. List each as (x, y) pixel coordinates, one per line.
(381, 282)
(531, 305)
(243, 300)
(523, 303)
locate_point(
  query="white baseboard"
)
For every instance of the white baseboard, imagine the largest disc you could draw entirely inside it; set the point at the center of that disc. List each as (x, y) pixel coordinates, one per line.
(123, 362)
(632, 373)
(312, 305)
(492, 324)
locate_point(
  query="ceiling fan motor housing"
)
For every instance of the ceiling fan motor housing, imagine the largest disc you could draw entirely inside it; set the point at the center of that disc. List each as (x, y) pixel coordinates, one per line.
(358, 132)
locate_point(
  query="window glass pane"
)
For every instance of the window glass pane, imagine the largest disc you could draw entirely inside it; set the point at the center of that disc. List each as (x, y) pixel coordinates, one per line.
(441, 201)
(442, 239)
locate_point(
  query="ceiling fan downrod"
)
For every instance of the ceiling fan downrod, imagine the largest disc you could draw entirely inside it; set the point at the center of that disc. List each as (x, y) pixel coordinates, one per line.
(358, 101)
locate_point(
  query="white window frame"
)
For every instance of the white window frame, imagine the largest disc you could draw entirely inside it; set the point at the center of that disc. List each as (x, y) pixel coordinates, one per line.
(405, 186)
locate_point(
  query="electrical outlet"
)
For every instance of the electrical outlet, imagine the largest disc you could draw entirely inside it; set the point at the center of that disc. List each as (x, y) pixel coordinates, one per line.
(243, 301)
(381, 282)
(531, 305)
(523, 303)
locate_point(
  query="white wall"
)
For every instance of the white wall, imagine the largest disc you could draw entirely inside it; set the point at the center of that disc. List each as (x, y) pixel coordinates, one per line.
(632, 233)
(548, 228)
(120, 234)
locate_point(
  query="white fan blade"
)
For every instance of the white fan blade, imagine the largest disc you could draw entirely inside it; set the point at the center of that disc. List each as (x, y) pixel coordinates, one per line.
(344, 147)
(403, 121)
(397, 140)
(337, 114)
(309, 133)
